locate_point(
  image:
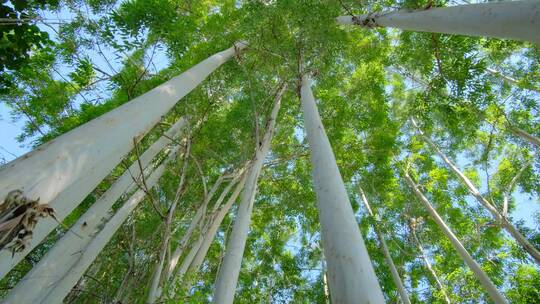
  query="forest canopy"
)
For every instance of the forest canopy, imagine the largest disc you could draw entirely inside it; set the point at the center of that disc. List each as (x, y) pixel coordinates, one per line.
(428, 130)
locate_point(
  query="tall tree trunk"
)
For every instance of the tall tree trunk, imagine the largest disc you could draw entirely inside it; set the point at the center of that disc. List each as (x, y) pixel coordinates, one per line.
(350, 273)
(61, 287)
(428, 264)
(227, 279)
(65, 253)
(153, 293)
(525, 136)
(214, 226)
(197, 253)
(505, 223)
(512, 20)
(205, 231)
(393, 270)
(465, 256)
(198, 219)
(182, 245)
(65, 170)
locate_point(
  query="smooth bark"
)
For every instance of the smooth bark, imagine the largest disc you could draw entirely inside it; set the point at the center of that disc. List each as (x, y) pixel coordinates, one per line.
(350, 273)
(204, 231)
(526, 136)
(198, 219)
(58, 291)
(199, 248)
(510, 19)
(153, 293)
(66, 252)
(65, 170)
(505, 223)
(214, 226)
(227, 279)
(393, 270)
(491, 289)
(182, 245)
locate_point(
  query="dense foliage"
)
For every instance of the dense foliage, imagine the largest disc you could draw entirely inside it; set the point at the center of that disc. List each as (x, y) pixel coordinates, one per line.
(369, 84)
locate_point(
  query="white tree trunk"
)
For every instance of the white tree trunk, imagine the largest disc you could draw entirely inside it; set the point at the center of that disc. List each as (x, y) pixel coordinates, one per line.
(154, 291)
(198, 250)
(175, 257)
(186, 262)
(510, 19)
(197, 218)
(227, 279)
(65, 253)
(56, 292)
(465, 256)
(505, 223)
(526, 136)
(63, 171)
(214, 226)
(506, 78)
(350, 274)
(393, 270)
(428, 265)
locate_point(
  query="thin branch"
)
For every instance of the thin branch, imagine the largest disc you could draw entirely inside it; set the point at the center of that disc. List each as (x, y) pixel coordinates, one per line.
(143, 179)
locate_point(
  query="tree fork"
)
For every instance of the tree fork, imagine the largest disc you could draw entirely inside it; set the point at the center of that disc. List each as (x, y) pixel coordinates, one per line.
(351, 276)
(214, 226)
(207, 231)
(509, 20)
(197, 219)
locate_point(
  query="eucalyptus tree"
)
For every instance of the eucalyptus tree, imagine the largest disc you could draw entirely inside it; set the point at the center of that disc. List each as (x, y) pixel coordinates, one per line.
(228, 273)
(58, 291)
(512, 20)
(105, 53)
(91, 145)
(395, 274)
(479, 273)
(63, 255)
(352, 278)
(535, 254)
